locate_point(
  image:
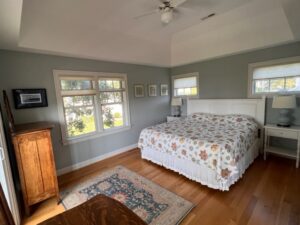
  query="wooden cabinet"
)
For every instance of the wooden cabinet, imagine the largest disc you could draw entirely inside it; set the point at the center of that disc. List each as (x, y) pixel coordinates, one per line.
(34, 153)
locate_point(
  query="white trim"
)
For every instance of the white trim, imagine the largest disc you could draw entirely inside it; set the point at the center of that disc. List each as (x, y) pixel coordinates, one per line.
(96, 159)
(253, 66)
(57, 74)
(8, 177)
(194, 74)
(95, 135)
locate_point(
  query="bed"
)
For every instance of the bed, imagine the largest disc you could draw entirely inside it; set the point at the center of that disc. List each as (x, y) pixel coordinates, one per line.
(213, 145)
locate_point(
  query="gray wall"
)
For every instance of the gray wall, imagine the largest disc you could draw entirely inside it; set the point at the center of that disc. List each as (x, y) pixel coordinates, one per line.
(27, 70)
(227, 77)
(224, 77)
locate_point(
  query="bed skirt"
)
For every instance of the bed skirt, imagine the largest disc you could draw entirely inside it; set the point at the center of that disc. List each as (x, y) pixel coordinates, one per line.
(202, 173)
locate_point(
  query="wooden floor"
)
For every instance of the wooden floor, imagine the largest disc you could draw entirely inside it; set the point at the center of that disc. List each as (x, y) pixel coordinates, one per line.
(269, 192)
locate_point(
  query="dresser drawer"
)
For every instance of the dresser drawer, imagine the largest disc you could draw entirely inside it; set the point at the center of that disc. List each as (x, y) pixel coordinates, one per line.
(283, 133)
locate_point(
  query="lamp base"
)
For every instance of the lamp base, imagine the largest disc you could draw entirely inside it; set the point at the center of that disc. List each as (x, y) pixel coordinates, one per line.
(284, 120)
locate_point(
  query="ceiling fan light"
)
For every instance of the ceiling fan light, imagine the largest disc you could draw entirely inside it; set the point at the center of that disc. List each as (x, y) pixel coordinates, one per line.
(167, 16)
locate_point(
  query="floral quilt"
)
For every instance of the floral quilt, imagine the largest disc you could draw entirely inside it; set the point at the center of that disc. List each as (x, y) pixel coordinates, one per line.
(216, 141)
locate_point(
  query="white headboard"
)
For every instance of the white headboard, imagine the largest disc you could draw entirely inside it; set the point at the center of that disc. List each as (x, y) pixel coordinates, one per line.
(250, 107)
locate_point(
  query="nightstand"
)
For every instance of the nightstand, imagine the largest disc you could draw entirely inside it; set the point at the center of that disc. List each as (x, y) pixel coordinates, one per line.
(172, 118)
(292, 132)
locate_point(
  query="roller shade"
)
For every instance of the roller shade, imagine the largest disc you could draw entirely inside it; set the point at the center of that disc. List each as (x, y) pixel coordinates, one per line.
(186, 82)
(286, 70)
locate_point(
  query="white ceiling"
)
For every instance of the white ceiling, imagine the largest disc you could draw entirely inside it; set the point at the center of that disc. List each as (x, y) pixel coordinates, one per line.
(107, 30)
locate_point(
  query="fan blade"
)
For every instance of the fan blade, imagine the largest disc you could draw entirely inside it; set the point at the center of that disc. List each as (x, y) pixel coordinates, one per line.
(147, 14)
(208, 16)
(176, 3)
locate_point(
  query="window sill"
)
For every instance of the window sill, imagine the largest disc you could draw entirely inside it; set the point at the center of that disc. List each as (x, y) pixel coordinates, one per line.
(186, 96)
(95, 135)
(271, 95)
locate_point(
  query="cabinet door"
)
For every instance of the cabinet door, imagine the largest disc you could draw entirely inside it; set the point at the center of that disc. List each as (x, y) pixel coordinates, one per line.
(36, 158)
(44, 145)
(29, 166)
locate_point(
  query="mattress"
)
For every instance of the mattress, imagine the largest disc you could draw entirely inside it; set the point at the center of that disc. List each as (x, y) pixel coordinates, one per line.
(215, 142)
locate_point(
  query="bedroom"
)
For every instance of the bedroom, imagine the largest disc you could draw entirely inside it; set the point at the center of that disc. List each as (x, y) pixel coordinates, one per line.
(58, 40)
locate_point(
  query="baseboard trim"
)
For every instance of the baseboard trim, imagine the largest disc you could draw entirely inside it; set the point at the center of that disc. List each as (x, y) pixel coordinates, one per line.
(94, 160)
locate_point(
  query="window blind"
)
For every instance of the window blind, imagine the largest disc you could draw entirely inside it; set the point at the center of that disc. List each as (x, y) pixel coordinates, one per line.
(286, 70)
(186, 82)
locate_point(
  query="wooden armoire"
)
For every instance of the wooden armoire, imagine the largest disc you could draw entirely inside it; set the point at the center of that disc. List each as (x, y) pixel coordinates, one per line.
(34, 153)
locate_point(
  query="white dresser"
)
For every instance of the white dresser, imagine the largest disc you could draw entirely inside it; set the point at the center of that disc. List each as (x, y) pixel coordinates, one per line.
(292, 132)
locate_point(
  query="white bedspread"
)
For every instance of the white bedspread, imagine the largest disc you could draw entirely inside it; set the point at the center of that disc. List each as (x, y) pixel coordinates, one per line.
(215, 142)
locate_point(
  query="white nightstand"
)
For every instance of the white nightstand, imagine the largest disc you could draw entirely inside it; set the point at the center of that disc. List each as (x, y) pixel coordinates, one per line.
(292, 132)
(172, 118)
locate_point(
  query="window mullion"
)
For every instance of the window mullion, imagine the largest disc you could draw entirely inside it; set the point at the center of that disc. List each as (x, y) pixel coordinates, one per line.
(284, 84)
(98, 107)
(124, 116)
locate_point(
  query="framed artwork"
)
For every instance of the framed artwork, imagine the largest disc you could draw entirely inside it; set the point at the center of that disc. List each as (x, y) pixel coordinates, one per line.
(152, 90)
(164, 90)
(139, 91)
(30, 98)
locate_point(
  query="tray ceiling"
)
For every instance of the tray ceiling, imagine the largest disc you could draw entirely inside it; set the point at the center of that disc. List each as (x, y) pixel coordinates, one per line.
(108, 30)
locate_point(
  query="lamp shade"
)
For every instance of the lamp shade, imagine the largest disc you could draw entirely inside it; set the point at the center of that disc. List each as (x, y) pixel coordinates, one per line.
(176, 102)
(284, 102)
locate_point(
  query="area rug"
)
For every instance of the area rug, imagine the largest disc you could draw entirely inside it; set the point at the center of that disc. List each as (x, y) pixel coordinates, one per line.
(154, 204)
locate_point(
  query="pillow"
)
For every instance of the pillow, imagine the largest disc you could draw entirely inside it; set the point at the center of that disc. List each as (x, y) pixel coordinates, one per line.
(217, 118)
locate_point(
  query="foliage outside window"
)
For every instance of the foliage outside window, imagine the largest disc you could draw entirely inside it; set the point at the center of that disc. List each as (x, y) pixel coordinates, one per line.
(185, 85)
(111, 100)
(279, 76)
(92, 104)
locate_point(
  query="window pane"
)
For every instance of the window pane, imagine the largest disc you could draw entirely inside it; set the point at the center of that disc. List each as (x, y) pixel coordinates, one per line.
(77, 101)
(194, 91)
(76, 84)
(107, 97)
(292, 84)
(112, 116)
(261, 86)
(117, 84)
(185, 91)
(111, 97)
(110, 84)
(277, 85)
(80, 120)
(102, 84)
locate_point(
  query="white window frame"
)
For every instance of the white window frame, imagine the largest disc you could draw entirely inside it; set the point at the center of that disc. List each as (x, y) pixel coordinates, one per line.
(253, 66)
(194, 74)
(97, 106)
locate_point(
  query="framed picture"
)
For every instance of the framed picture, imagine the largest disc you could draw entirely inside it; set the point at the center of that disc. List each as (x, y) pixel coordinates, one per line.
(139, 91)
(152, 90)
(164, 90)
(30, 98)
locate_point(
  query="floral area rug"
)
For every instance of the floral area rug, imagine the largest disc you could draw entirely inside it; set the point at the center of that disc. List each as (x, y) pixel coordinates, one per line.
(154, 204)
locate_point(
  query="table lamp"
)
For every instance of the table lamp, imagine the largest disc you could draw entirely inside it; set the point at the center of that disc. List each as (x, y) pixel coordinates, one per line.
(177, 102)
(284, 103)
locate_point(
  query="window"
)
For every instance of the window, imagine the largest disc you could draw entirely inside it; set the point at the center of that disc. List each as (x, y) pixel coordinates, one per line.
(185, 85)
(91, 104)
(277, 76)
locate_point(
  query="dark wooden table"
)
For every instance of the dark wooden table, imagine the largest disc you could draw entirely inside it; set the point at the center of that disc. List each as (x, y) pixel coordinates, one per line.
(100, 210)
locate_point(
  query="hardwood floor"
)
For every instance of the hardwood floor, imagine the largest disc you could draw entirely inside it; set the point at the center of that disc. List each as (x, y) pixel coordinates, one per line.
(269, 192)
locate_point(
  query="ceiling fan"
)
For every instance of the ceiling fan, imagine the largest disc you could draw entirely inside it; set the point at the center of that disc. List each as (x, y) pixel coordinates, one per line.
(166, 9)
